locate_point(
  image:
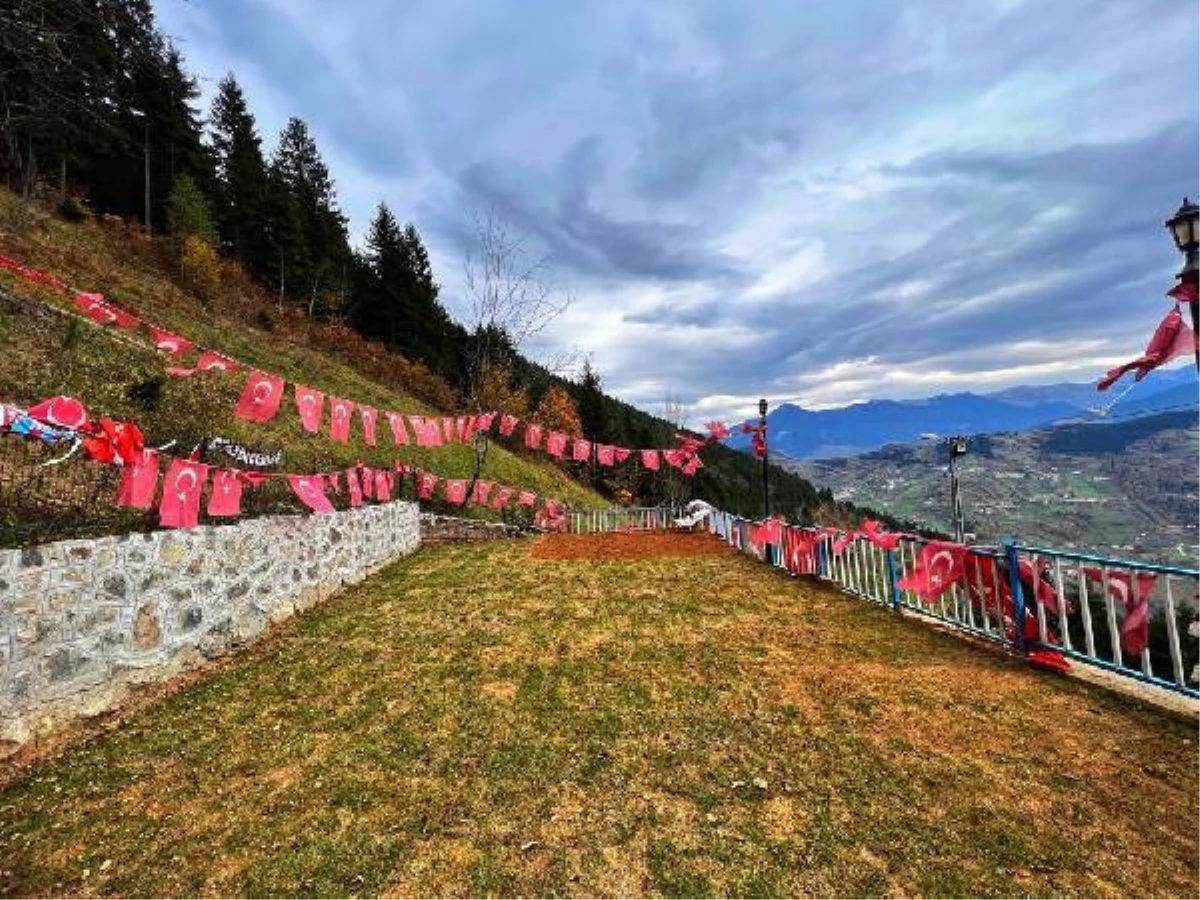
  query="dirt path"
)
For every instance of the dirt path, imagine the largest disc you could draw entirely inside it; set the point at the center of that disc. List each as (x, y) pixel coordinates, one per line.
(477, 720)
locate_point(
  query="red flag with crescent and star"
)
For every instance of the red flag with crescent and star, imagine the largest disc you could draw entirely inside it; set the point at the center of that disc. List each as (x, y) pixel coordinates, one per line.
(171, 344)
(139, 481)
(260, 398)
(310, 404)
(311, 491)
(339, 419)
(225, 494)
(180, 503)
(399, 432)
(938, 567)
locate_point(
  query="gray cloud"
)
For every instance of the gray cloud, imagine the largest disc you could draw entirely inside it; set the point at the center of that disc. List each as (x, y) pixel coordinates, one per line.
(748, 202)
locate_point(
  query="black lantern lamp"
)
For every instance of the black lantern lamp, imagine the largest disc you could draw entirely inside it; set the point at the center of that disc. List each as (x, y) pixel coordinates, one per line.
(1183, 229)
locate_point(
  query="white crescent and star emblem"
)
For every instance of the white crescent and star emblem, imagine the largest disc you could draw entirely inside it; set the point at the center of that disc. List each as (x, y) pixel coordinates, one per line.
(189, 474)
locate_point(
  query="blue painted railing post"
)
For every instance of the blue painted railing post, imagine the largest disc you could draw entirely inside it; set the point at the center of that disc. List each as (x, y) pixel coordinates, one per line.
(1013, 563)
(893, 580)
(821, 571)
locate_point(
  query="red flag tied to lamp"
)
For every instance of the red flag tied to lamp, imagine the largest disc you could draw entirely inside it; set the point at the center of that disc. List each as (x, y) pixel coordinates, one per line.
(180, 503)
(1170, 340)
(260, 398)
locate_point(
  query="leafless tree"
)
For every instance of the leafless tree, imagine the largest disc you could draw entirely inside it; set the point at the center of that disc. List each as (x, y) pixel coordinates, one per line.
(675, 483)
(511, 292)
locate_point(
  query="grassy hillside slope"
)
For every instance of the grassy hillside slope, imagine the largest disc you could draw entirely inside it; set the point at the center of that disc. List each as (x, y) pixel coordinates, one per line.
(118, 374)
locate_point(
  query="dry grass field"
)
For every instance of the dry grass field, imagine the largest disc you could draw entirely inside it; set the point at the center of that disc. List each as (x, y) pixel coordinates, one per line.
(482, 720)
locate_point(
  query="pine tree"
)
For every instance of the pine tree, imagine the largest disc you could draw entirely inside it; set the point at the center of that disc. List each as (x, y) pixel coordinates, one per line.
(592, 413)
(188, 213)
(241, 177)
(299, 167)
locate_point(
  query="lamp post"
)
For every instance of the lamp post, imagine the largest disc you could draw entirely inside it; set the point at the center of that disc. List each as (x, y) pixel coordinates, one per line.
(958, 447)
(762, 424)
(1183, 228)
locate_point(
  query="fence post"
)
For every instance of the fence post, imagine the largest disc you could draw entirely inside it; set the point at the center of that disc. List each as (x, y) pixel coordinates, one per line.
(1013, 562)
(821, 572)
(893, 581)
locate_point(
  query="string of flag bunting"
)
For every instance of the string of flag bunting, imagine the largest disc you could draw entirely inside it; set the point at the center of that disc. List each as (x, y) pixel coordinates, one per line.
(262, 399)
(61, 421)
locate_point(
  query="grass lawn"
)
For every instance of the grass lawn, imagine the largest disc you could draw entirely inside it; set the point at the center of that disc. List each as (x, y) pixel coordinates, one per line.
(477, 721)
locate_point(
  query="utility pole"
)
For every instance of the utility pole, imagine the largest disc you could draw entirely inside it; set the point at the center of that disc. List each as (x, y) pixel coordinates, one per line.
(762, 424)
(958, 447)
(146, 166)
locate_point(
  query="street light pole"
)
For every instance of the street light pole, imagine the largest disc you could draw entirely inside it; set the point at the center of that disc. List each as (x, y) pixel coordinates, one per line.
(958, 447)
(762, 424)
(1183, 228)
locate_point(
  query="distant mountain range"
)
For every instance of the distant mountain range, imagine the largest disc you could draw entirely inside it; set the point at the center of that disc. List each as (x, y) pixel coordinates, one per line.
(1126, 488)
(800, 433)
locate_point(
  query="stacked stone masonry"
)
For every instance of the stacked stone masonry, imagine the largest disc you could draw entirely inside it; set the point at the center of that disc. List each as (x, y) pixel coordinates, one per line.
(80, 621)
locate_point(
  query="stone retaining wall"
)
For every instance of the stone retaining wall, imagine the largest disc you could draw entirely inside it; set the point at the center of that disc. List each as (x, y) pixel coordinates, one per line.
(452, 529)
(82, 620)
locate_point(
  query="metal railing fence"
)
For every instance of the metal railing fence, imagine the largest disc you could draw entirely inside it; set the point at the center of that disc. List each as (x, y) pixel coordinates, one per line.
(1136, 619)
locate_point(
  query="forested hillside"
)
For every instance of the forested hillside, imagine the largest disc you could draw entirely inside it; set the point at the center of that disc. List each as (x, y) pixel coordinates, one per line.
(100, 122)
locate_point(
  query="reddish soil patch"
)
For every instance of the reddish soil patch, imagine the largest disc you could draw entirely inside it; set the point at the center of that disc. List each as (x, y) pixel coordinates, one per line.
(627, 545)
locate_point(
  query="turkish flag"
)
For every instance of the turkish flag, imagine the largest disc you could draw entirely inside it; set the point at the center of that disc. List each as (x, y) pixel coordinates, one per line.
(501, 498)
(527, 498)
(674, 458)
(938, 567)
(483, 421)
(309, 404)
(1172, 338)
(448, 429)
(139, 481)
(482, 489)
(462, 427)
(311, 491)
(768, 532)
(884, 540)
(97, 309)
(508, 424)
(339, 419)
(62, 412)
(1185, 292)
(690, 465)
(605, 455)
(650, 460)
(260, 398)
(426, 482)
(335, 481)
(581, 450)
(620, 454)
(225, 493)
(456, 491)
(369, 418)
(717, 431)
(171, 344)
(179, 506)
(556, 444)
(354, 487)
(399, 432)
(383, 487)
(366, 478)
(427, 431)
(533, 436)
(800, 551)
(1134, 595)
(211, 361)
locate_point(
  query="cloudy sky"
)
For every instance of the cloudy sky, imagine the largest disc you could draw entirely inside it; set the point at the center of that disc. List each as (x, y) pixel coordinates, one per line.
(820, 202)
